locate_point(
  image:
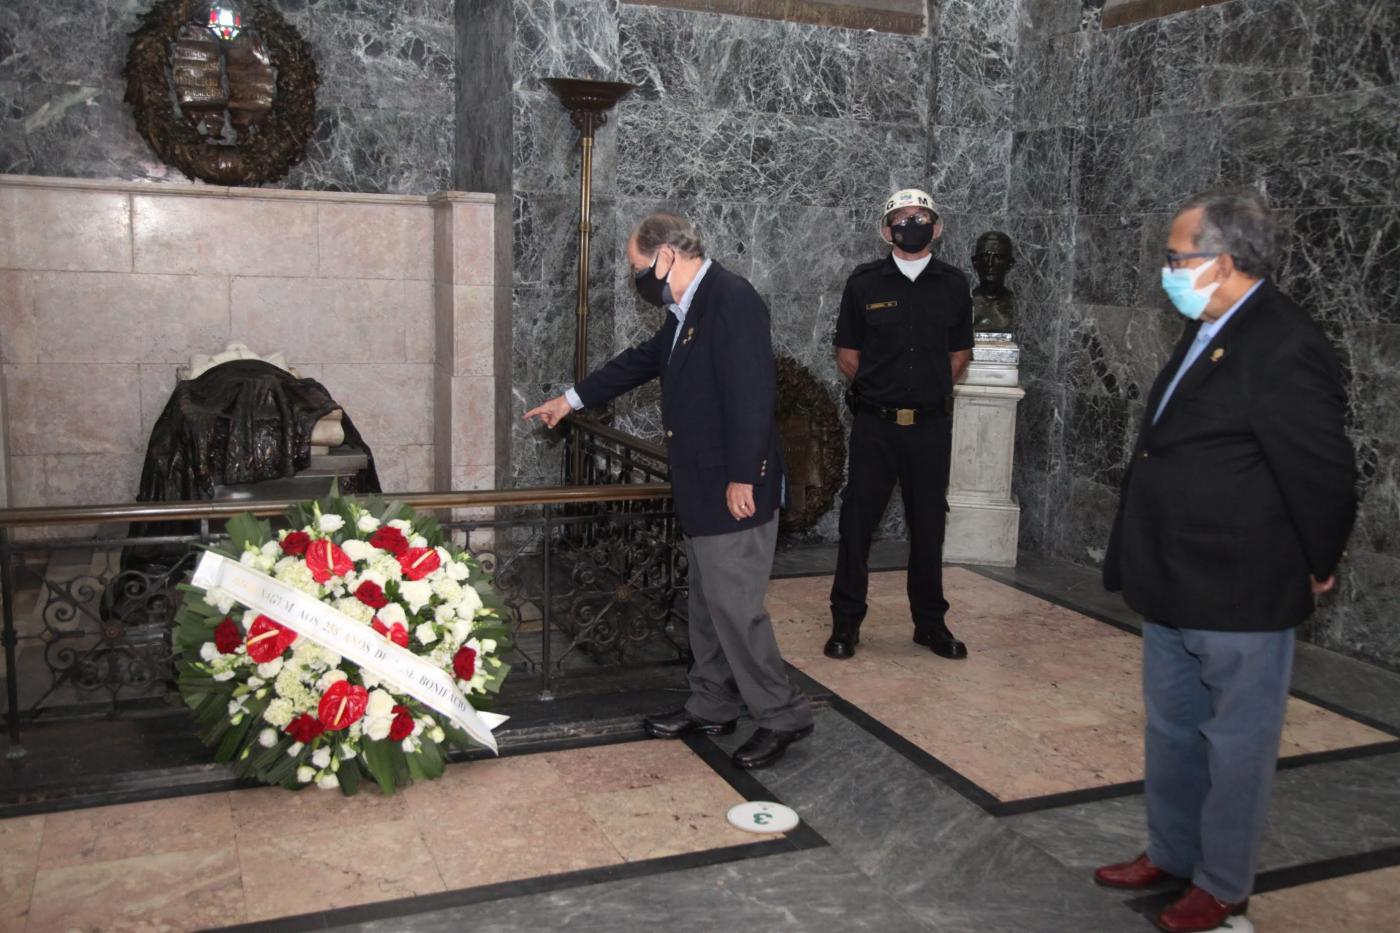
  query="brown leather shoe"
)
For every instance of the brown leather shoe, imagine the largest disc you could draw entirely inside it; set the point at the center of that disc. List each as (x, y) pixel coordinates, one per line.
(1198, 911)
(1138, 874)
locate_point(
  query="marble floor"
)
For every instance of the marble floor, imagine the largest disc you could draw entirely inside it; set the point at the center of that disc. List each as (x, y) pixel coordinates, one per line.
(952, 797)
(1048, 701)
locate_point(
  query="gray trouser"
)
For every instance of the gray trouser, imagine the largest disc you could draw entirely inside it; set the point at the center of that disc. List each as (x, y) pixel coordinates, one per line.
(737, 662)
(1215, 708)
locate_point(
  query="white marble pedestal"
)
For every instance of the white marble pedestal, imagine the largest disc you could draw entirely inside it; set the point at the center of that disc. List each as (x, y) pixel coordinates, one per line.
(983, 517)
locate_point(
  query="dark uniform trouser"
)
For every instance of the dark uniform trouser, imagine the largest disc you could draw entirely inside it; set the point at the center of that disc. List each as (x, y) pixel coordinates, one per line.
(916, 456)
(737, 662)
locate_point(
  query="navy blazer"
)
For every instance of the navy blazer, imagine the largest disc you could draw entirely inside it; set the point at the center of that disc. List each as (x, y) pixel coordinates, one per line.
(718, 402)
(1246, 484)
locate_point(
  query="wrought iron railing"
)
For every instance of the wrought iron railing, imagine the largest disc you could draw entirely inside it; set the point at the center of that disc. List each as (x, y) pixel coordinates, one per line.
(592, 574)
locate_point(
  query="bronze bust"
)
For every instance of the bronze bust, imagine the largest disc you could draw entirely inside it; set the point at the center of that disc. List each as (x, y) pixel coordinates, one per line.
(993, 303)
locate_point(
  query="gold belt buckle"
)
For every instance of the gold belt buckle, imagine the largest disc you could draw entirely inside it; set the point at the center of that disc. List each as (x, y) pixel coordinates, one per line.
(904, 416)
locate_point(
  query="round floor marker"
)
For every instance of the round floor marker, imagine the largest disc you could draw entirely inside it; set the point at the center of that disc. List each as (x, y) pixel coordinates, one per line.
(758, 816)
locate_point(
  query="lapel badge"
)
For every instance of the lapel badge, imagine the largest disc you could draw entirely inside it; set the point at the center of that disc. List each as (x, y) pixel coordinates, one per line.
(689, 333)
(1217, 354)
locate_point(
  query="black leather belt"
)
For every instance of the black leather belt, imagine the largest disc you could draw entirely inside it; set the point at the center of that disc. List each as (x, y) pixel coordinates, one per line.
(900, 416)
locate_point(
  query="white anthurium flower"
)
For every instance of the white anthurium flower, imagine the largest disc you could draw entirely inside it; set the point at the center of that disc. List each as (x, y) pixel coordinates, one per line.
(381, 703)
(425, 634)
(367, 523)
(306, 774)
(393, 614)
(267, 738)
(321, 758)
(358, 550)
(328, 782)
(417, 593)
(331, 523)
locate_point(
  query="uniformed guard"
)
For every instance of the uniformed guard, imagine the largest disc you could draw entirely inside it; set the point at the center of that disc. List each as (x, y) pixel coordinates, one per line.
(903, 338)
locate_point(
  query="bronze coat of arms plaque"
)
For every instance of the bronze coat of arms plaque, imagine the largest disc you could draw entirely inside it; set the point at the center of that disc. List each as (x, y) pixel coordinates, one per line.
(223, 91)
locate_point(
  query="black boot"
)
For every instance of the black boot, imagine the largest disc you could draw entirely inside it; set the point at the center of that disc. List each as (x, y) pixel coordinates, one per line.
(845, 635)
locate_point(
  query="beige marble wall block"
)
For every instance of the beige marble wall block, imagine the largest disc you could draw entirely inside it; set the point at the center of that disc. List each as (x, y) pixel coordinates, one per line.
(190, 235)
(326, 320)
(103, 317)
(52, 228)
(406, 468)
(19, 331)
(4, 450)
(75, 479)
(390, 403)
(417, 322)
(474, 330)
(474, 243)
(474, 420)
(374, 241)
(443, 254)
(73, 408)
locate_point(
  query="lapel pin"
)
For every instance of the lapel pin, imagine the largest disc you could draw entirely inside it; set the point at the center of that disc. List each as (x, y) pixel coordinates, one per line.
(1217, 354)
(690, 332)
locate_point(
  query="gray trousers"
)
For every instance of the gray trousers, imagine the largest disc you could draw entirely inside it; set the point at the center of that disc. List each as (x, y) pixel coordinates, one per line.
(737, 663)
(1215, 707)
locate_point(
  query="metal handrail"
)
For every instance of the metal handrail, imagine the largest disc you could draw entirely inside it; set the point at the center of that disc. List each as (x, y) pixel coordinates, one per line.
(465, 499)
(621, 438)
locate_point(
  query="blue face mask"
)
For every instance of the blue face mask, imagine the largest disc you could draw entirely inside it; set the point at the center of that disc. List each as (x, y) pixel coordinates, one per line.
(1180, 286)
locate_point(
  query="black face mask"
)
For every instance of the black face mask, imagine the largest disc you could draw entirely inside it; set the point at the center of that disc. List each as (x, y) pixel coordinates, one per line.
(911, 237)
(652, 290)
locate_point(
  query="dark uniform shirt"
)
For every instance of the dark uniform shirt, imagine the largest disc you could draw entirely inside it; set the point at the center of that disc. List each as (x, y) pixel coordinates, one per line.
(904, 331)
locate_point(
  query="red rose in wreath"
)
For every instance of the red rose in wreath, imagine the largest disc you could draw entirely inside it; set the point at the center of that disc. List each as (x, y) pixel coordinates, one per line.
(325, 559)
(295, 543)
(371, 594)
(418, 562)
(396, 633)
(389, 538)
(268, 639)
(464, 663)
(402, 726)
(227, 636)
(342, 705)
(305, 728)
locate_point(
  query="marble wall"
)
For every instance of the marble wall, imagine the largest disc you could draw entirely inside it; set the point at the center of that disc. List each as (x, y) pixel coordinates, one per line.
(387, 300)
(779, 140)
(1111, 130)
(385, 109)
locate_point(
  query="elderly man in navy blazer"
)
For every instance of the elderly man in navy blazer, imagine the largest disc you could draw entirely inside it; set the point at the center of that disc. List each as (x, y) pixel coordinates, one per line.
(1236, 507)
(714, 357)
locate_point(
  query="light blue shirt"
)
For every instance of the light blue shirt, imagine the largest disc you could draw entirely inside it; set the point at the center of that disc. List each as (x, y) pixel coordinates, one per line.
(1203, 338)
(680, 309)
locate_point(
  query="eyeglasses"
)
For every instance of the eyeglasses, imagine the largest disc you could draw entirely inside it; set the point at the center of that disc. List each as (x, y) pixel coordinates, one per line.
(917, 220)
(1175, 259)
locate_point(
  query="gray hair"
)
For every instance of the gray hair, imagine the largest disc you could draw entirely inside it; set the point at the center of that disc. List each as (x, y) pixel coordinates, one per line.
(1238, 223)
(663, 229)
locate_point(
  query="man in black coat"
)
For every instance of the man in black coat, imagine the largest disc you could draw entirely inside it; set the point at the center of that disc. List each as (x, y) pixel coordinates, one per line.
(1234, 514)
(714, 357)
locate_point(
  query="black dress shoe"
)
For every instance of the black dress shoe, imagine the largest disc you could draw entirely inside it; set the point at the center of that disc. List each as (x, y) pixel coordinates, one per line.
(675, 724)
(766, 746)
(942, 644)
(844, 638)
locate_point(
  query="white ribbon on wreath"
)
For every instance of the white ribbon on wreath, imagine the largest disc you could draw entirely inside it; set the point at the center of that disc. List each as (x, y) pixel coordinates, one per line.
(334, 630)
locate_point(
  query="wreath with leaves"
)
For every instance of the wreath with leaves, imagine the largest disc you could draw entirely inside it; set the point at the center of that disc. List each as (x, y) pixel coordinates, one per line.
(266, 154)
